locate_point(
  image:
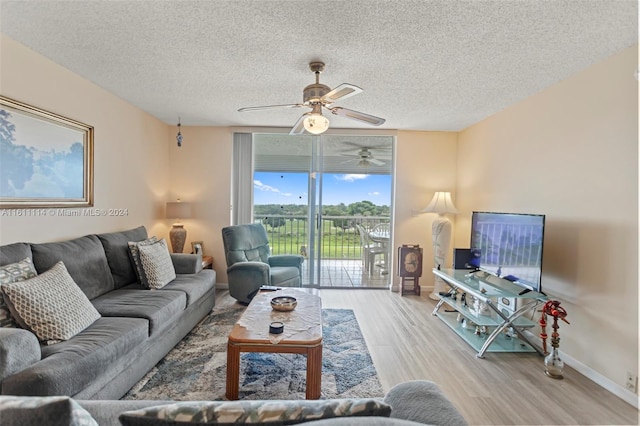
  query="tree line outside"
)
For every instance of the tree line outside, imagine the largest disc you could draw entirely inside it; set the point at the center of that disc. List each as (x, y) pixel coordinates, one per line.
(287, 227)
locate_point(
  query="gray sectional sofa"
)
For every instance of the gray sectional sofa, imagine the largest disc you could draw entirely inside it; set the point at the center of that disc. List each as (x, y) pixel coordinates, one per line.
(137, 327)
(408, 403)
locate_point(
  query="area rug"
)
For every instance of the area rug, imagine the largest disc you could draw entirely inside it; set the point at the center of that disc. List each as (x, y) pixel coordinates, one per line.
(196, 368)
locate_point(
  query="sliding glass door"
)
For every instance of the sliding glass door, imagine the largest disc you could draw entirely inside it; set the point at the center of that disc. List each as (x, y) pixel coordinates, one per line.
(316, 195)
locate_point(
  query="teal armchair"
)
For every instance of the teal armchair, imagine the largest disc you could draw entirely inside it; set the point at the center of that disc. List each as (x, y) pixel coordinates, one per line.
(250, 264)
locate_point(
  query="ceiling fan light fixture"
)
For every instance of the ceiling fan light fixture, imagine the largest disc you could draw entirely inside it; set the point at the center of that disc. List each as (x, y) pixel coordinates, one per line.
(316, 123)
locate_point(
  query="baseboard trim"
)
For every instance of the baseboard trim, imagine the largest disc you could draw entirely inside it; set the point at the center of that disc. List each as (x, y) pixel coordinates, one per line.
(222, 286)
(619, 391)
(608, 384)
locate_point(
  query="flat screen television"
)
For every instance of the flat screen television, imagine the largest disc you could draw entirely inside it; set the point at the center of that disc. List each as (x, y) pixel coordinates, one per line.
(509, 246)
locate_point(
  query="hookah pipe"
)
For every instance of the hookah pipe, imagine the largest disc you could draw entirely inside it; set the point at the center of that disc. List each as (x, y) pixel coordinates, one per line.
(552, 307)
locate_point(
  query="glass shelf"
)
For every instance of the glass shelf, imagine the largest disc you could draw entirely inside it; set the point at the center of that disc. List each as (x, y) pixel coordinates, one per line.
(502, 343)
(487, 286)
(491, 320)
(493, 292)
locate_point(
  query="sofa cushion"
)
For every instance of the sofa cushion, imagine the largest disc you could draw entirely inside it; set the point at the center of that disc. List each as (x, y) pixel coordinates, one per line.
(116, 249)
(12, 253)
(245, 243)
(193, 285)
(51, 411)
(281, 274)
(277, 412)
(50, 304)
(363, 421)
(156, 263)
(158, 307)
(69, 367)
(83, 257)
(12, 273)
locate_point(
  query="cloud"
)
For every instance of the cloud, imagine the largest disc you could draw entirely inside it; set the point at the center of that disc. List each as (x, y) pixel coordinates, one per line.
(374, 193)
(351, 177)
(262, 187)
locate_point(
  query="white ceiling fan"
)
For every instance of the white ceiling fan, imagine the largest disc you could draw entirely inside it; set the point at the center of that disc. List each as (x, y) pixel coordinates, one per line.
(364, 158)
(318, 96)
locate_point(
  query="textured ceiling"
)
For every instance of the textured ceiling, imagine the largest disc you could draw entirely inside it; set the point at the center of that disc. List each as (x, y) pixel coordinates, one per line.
(423, 65)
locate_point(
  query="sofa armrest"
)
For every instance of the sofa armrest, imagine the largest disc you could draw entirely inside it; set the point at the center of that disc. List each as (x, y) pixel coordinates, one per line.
(254, 272)
(246, 278)
(422, 401)
(286, 260)
(186, 263)
(19, 349)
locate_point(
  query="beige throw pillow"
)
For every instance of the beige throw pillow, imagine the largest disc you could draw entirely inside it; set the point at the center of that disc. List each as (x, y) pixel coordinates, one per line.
(51, 305)
(12, 273)
(156, 264)
(135, 257)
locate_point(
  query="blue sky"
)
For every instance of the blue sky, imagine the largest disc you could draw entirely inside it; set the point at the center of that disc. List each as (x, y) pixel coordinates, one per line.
(291, 188)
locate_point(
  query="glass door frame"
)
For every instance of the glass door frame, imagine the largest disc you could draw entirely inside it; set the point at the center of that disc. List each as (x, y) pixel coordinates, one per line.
(315, 176)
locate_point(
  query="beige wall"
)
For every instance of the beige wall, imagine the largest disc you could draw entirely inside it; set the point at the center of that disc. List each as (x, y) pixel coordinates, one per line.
(571, 153)
(131, 155)
(425, 163)
(201, 174)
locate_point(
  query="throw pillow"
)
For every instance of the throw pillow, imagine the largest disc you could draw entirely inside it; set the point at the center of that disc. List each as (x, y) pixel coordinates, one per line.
(12, 273)
(156, 264)
(248, 412)
(51, 305)
(50, 410)
(135, 258)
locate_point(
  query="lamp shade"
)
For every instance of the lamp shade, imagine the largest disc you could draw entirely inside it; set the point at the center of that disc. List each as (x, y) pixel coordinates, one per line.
(178, 210)
(440, 203)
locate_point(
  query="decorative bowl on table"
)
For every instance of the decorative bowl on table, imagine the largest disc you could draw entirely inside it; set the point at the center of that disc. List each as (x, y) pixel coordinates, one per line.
(284, 303)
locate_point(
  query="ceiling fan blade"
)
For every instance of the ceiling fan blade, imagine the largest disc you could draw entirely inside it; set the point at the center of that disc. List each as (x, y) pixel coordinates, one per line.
(353, 160)
(257, 108)
(376, 161)
(355, 115)
(298, 128)
(341, 92)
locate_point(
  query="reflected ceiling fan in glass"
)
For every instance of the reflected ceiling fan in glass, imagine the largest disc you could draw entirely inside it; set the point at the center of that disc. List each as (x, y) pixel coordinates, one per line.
(318, 96)
(363, 158)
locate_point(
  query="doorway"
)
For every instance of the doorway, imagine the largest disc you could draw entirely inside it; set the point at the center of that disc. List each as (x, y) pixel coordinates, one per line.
(315, 195)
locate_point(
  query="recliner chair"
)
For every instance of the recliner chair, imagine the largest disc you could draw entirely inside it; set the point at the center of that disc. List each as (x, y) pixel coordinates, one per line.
(250, 264)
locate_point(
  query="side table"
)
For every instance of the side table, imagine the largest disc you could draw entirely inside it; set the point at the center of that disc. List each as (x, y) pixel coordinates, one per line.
(207, 262)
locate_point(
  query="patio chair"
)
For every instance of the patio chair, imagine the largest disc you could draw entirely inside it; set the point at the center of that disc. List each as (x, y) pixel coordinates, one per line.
(250, 264)
(370, 250)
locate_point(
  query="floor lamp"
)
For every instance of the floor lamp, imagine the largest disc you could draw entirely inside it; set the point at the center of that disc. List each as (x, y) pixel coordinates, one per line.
(178, 235)
(440, 234)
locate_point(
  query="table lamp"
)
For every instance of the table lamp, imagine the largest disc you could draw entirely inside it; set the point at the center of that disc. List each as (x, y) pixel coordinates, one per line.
(178, 235)
(440, 234)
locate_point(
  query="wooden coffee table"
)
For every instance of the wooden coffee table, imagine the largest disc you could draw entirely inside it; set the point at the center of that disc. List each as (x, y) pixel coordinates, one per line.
(302, 335)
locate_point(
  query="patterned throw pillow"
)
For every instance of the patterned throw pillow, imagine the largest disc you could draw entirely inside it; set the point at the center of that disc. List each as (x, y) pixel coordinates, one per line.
(49, 410)
(12, 273)
(252, 412)
(135, 257)
(156, 264)
(51, 305)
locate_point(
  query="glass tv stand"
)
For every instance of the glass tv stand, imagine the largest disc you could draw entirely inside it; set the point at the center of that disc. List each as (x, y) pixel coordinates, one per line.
(492, 319)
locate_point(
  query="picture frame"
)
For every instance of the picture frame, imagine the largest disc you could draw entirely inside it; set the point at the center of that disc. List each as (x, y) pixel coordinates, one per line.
(197, 247)
(47, 159)
(410, 261)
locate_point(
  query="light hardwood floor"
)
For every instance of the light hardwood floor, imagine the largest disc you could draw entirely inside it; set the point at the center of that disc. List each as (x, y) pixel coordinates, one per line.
(407, 343)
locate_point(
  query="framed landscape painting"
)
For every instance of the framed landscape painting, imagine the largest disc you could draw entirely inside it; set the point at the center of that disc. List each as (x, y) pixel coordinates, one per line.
(46, 160)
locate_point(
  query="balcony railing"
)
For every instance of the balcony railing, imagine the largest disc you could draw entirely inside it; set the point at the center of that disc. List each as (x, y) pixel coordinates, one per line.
(340, 239)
